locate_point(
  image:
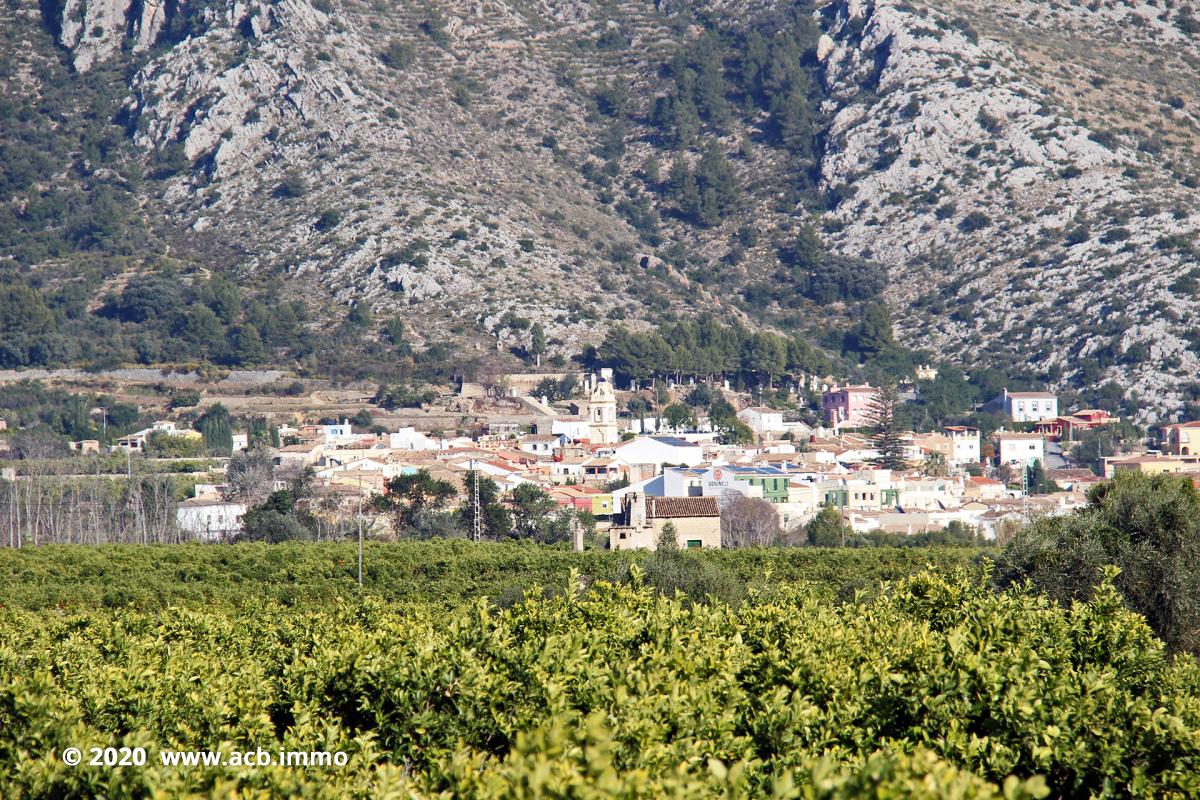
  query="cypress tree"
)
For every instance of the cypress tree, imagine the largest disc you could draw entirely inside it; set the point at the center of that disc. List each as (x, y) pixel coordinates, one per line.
(216, 428)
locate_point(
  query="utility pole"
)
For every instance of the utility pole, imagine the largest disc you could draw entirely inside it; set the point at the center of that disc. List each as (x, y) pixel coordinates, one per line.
(360, 529)
(477, 517)
(1025, 487)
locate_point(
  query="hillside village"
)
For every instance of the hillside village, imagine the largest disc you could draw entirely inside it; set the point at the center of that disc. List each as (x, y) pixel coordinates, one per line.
(594, 472)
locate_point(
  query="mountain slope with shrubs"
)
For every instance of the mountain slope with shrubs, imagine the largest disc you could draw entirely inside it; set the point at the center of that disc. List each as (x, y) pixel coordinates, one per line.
(457, 175)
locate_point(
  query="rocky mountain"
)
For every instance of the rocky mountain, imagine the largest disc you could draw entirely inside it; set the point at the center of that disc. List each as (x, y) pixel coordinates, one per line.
(1024, 171)
(1030, 169)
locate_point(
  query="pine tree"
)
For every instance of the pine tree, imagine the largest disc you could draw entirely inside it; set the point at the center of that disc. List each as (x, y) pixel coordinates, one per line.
(717, 184)
(684, 190)
(248, 346)
(807, 250)
(887, 437)
(874, 333)
(792, 117)
(650, 171)
(709, 87)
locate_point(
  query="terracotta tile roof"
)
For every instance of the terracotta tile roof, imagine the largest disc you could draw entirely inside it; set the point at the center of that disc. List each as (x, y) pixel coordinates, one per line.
(1164, 459)
(664, 507)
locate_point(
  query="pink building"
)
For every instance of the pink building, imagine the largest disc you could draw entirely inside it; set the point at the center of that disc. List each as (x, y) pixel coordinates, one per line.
(848, 406)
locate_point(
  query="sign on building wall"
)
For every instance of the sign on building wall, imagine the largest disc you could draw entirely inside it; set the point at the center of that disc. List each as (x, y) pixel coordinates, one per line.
(718, 481)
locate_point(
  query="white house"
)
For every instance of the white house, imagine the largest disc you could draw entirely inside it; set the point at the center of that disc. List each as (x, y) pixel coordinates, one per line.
(342, 430)
(1029, 406)
(1020, 448)
(408, 439)
(210, 519)
(660, 450)
(682, 482)
(136, 442)
(762, 420)
(966, 444)
(574, 428)
(541, 444)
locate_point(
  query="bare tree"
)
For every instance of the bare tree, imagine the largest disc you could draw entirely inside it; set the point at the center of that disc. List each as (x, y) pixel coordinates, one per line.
(46, 508)
(747, 521)
(250, 475)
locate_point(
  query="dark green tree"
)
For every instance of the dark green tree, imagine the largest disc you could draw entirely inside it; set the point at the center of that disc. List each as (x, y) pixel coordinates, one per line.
(684, 190)
(201, 329)
(808, 251)
(668, 539)
(217, 429)
(1037, 480)
(25, 325)
(537, 342)
(887, 436)
(410, 496)
(276, 519)
(248, 346)
(874, 334)
(1148, 526)
(699, 396)
(716, 184)
(537, 517)
(827, 528)
(222, 296)
(677, 415)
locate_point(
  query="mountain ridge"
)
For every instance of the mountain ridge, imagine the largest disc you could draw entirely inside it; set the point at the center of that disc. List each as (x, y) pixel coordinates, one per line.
(468, 166)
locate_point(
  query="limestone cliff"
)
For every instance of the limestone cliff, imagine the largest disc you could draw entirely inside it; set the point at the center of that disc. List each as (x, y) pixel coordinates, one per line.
(1017, 224)
(1026, 170)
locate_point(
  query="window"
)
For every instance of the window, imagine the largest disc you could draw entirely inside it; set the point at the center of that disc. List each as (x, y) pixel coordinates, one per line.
(694, 544)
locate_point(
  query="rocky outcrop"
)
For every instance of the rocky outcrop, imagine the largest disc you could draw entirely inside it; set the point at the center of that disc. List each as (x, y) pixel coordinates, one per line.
(93, 29)
(1024, 169)
(150, 21)
(414, 202)
(1016, 228)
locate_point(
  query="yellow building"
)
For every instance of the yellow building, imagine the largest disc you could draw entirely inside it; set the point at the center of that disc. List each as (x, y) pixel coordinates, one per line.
(1181, 439)
(602, 505)
(1151, 465)
(697, 522)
